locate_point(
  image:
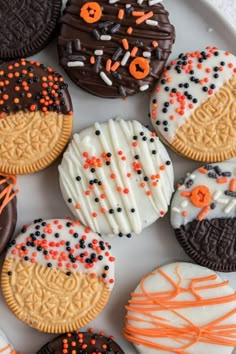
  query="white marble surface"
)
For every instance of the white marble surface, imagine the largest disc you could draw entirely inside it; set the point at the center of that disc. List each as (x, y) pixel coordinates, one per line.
(228, 7)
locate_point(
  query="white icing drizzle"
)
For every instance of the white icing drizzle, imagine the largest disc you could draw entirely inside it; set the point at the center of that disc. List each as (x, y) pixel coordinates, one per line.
(138, 209)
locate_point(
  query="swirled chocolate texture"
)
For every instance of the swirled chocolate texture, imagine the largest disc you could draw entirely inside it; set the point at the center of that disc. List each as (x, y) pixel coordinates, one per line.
(114, 48)
(26, 26)
(35, 116)
(82, 342)
(8, 217)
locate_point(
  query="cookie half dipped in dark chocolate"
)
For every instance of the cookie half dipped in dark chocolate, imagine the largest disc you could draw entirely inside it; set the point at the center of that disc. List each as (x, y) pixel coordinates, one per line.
(8, 210)
(203, 215)
(81, 342)
(115, 49)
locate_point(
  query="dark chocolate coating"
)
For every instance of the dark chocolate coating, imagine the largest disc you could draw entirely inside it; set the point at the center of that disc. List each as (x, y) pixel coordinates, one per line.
(26, 26)
(8, 219)
(210, 243)
(78, 40)
(56, 345)
(36, 89)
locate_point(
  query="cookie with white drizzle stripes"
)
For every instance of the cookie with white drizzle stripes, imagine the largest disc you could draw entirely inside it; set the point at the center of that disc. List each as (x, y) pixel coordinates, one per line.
(193, 105)
(116, 177)
(57, 275)
(115, 48)
(203, 215)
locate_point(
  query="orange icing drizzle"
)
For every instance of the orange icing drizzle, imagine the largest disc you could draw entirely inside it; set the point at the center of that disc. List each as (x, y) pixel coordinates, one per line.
(2, 350)
(188, 334)
(7, 193)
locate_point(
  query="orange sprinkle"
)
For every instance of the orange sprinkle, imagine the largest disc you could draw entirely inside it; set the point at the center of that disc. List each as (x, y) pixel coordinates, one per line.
(232, 186)
(119, 189)
(148, 193)
(92, 60)
(185, 213)
(16, 100)
(121, 14)
(5, 97)
(115, 66)
(155, 44)
(222, 180)
(203, 213)
(130, 30)
(162, 167)
(138, 13)
(134, 51)
(202, 170)
(142, 185)
(125, 43)
(108, 65)
(144, 18)
(185, 194)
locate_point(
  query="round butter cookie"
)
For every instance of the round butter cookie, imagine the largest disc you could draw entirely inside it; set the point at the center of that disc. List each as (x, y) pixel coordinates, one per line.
(182, 308)
(82, 342)
(203, 215)
(194, 103)
(36, 116)
(116, 177)
(57, 275)
(115, 48)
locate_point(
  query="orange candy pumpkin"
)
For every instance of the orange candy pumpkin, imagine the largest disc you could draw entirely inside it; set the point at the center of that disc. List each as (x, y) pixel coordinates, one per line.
(91, 12)
(200, 196)
(139, 68)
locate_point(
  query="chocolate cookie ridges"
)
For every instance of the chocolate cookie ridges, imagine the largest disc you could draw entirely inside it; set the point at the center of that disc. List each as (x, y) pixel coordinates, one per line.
(116, 177)
(203, 215)
(182, 308)
(192, 108)
(27, 26)
(8, 210)
(36, 116)
(84, 342)
(57, 275)
(114, 49)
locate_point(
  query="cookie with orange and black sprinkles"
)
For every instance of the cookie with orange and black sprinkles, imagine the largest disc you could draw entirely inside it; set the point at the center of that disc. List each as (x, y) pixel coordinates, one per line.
(27, 26)
(115, 48)
(82, 342)
(36, 116)
(203, 215)
(194, 103)
(57, 275)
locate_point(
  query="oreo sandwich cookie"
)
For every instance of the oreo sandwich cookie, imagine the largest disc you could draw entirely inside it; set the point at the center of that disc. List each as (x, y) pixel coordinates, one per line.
(182, 308)
(203, 215)
(115, 48)
(193, 105)
(57, 275)
(8, 210)
(27, 26)
(5, 346)
(116, 177)
(82, 342)
(36, 116)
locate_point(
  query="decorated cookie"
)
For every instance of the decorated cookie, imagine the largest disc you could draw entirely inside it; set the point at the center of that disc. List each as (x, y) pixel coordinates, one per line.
(57, 275)
(116, 177)
(193, 105)
(8, 210)
(115, 48)
(36, 116)
(82, 342)
(26, 26)
(5, 345)
(182, 308)
(203, 215)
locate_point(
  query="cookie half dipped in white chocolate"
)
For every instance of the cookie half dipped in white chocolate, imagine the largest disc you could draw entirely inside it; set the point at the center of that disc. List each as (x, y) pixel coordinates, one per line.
(116, 177)
(194, 103)
(182, 308)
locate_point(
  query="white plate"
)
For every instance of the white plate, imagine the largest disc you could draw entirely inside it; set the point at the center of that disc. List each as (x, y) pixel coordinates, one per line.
(40, 194)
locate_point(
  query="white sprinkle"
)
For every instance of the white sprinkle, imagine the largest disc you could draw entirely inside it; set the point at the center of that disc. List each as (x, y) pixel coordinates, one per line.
(180, 188)
(188, 174)
(230, 206)
(210, 30)
(217, 195)
(105, 78)
(127, 6)
(176, 210)
(140, 2)
(151, 22)
(153, 2)
(192, 176)
(113, 1)
(105, 37)
(98, 52)
(144, 87)
(223, 201)
(184, 203)
(146, 54)
(125, 59)
(75, 63)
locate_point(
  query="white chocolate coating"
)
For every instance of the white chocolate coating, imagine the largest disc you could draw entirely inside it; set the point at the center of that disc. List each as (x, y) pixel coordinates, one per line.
(224, 205)
(202, 308)
(5, 346)
(55, 237)
(167, 123)
(126, 202)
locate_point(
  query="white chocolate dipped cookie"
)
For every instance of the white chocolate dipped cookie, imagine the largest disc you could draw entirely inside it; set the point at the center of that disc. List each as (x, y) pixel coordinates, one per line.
(5, 346)
(116, 177)
(193, 107)
(182, 308)
(57, 275)
(203, 215)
